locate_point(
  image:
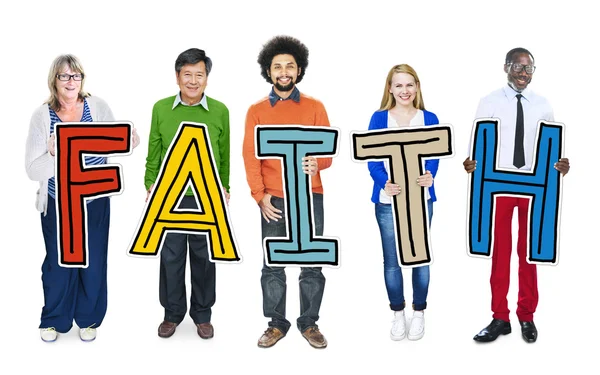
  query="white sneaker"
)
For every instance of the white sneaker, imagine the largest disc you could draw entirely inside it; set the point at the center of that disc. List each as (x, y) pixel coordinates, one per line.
(398, 331)
(417, 326)
(48, 334)
(87, 334)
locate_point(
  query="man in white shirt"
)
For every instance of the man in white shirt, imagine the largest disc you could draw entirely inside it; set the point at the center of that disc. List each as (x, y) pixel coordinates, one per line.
(519, 111)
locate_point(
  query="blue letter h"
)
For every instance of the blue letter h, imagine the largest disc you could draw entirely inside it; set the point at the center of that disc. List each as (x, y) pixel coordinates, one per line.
(542, 186)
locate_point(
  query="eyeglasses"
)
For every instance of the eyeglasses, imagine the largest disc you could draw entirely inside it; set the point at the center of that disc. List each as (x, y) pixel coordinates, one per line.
(517, 68)
(67, 77)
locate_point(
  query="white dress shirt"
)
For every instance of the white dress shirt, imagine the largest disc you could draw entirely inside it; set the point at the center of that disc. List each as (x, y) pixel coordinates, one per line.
(202, 102)
(502, 104)
(417, 120)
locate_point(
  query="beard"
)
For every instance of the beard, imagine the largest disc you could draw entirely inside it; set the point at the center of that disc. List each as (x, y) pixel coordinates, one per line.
(513, 84)
(286, 88)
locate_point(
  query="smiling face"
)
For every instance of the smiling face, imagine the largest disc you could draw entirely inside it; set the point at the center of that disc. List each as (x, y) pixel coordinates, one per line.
(192, 80)
(284, 72)
(67, 90)
(404, 89)
(519, 80)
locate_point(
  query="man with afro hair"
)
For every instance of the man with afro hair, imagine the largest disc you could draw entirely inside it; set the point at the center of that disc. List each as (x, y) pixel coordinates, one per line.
(283, 62)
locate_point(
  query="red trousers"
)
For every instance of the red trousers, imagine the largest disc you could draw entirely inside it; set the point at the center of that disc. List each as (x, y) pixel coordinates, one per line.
(500, 279)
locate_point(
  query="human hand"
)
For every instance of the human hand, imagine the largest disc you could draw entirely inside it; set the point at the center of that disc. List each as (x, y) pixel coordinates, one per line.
(425, 180)
(149, 191)
(310, 165)
(391, 189)
(469, 165)
(52, 144)
(562, 166)
(268, 210)
(227, 195)
(135, 139)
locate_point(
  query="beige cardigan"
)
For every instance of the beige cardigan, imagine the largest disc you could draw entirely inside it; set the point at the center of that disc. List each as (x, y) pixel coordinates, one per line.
(39, 164)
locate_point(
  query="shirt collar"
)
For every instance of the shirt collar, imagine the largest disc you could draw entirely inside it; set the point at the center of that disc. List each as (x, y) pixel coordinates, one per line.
(512, 93)
(202, 102)
(273, 97)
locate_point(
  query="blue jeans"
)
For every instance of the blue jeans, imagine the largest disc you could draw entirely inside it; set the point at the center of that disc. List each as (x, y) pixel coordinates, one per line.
(273, 279)
(392, 271)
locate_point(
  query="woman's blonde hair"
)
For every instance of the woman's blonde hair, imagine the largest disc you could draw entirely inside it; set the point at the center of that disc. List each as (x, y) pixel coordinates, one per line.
(388, 101)
(57, 66)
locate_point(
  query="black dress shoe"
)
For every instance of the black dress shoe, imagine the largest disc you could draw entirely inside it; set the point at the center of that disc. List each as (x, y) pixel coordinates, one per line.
(528, 331)
(490, 333)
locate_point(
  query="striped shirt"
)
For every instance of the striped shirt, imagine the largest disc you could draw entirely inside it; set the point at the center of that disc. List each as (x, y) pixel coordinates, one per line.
(89, 160)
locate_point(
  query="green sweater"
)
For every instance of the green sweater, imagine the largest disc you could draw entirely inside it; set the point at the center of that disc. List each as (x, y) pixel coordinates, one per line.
(166, 121)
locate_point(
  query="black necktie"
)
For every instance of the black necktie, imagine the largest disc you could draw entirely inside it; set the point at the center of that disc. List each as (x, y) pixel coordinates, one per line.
(519, 156)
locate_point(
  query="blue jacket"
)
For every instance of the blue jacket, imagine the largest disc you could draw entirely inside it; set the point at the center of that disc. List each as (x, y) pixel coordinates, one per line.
(379, 120)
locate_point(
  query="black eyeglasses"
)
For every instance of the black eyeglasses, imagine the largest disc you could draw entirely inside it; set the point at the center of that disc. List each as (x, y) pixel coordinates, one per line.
(517, 68)
(67, 77)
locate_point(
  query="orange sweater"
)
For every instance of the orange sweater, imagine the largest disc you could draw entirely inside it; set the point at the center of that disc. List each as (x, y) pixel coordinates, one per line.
(264, 175)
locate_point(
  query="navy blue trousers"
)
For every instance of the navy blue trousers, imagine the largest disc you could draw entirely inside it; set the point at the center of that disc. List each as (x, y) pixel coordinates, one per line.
(76, 293)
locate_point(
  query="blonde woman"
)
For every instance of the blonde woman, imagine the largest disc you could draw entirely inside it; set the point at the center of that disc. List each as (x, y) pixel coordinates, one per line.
(69, 293)
(401, 106)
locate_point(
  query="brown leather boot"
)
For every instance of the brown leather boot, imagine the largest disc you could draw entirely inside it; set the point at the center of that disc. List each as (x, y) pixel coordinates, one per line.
(270, 337)
(166, 329)
(315, 338)
(205, 330)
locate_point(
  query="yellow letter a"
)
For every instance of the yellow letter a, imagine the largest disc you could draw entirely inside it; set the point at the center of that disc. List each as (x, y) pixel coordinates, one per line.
(188, 162)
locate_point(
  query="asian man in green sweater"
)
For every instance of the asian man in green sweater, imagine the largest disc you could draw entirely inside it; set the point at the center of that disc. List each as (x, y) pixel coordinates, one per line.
(192, 68)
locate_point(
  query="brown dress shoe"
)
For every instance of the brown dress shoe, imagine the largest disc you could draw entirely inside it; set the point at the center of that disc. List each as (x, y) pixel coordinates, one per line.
(166, 329)
(315, 338)
(205, 330)
(270, 337)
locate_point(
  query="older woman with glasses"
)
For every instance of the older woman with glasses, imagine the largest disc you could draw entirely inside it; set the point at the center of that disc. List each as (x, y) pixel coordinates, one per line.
(401, 106)
(69, 293)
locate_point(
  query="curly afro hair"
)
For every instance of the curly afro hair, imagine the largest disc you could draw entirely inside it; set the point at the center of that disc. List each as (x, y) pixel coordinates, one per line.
(281, 45)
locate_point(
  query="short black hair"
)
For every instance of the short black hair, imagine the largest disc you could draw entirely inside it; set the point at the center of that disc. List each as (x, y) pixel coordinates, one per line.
(516, 51)
(193, 56)
(282, 45)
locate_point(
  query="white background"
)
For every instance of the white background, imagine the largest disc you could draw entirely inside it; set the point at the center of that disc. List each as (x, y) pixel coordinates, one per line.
(128, 52)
